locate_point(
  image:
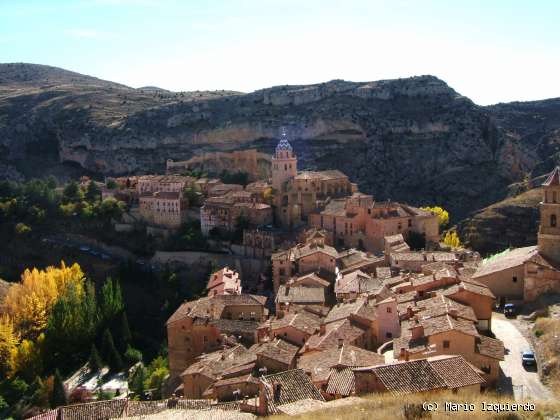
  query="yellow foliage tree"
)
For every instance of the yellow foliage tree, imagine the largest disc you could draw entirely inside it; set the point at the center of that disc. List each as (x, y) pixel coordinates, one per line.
(8, 342)
(28, 358)
(452, 239)
(443, 215)
(29, 302)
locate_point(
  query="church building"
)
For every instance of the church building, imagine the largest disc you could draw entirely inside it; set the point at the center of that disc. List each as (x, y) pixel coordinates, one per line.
(523, 274)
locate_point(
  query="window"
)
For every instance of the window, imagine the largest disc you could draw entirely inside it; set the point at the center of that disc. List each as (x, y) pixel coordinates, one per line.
(205, 339)
(409, 222)
(514, 279)
(282, 272)
(389, 335)
(446, 344)
(554, 196)
(553, 220)
(389, 310)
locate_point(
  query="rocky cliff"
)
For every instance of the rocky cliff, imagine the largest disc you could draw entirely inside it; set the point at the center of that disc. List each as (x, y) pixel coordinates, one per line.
(414, 139)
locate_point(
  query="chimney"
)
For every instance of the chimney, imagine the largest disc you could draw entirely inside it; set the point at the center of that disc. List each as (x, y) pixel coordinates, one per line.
(340, 342)
(409, 312)
(280, 314)
(322, 329)
(417, 331)
(453, 313)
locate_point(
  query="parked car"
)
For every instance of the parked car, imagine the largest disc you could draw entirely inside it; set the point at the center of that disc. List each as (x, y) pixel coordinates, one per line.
(528, 358)
(510, 310)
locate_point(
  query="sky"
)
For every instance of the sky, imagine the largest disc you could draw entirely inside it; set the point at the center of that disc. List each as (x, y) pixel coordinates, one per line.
(491, 51)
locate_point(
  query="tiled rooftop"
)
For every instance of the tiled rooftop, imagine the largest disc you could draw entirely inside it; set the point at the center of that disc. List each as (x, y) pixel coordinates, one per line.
(300, 294)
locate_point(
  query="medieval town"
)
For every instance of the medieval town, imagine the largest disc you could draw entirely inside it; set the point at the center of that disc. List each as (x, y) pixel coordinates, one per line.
(324, 298)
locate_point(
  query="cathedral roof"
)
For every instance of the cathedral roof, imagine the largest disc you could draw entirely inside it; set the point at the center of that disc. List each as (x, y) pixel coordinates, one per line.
(553, 178)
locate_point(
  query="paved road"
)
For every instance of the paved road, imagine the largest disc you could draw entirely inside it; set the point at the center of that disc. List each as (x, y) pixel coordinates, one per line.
(524, 381)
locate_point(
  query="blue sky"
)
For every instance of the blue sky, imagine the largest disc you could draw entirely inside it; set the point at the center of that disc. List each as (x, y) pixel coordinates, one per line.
(492, 51)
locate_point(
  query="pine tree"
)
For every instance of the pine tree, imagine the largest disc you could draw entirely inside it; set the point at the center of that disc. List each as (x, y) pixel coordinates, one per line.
(59, 396)
(95, 363)
(92, 192)
(111, 300)
(124, 337)
(109, 352)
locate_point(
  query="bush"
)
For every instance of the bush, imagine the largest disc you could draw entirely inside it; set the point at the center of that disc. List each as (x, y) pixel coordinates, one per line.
(22, 229)
(133, 355)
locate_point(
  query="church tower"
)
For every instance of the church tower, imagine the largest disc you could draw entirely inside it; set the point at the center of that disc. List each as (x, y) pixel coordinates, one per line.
(549, 230)
(284, 163)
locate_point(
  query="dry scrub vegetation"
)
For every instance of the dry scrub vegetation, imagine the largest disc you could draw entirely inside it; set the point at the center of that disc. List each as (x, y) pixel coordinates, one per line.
(547, 331)
(385, 406)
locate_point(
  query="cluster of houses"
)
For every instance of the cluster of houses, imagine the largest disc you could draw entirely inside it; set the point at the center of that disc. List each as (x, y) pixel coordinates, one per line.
(345, 323)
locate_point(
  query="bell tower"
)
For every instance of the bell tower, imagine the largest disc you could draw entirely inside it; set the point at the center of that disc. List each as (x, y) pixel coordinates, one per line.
(284, 163)
(549, 229)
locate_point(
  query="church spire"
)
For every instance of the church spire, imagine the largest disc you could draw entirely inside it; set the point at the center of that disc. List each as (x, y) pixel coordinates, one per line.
(283, 144)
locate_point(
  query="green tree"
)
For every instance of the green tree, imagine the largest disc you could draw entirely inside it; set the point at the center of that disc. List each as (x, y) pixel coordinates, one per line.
(72, 193)
(137, 379)
(111, 301)
(133, 355)
(93, 193)
(95, 363)
(111, 208)
(124, 337)
(109, 352)
(111, 184)
(59, 396)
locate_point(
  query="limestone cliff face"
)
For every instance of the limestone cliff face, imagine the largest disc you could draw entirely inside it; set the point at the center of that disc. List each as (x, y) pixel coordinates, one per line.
(412, 139)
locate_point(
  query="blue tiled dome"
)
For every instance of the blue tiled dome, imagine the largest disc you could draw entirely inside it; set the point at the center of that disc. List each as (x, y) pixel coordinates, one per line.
(283, 144)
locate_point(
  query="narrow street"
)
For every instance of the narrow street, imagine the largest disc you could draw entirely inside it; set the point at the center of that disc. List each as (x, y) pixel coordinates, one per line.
(523, 382)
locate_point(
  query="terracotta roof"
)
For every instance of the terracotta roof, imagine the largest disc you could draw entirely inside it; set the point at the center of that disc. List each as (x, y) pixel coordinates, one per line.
(288, 387)
(505, 260)
(302, 321)
(553, 178)
(357, 282)
(440, 324)
(336, 207)
(424, 256)
(234, 326)
(300, 294)
(236, 380)
(311, 248)
(490, 347)
(441, 305)
(214, 306)
(277, 349)
(469, 286)
(212, 365)
(435, 266)
(347, 355)
(358, 308)
(455, 371)
(341, 382)
(408, 377)
(94, 410)
(383, 272)
(334, 331)
(167, 195)
(313, 277)
(354, 258)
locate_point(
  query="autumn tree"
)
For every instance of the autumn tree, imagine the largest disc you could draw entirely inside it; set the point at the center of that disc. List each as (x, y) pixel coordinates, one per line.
(28, 358)
(8, 342)
(442, 214)
(30, 302)
(451, 238)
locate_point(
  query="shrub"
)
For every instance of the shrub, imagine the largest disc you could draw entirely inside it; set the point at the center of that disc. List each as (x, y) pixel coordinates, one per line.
(22, 229)
(133, 355)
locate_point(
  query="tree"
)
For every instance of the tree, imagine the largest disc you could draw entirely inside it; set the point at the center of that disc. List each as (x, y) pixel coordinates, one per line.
(451, 238)
(28, 358)
(59, 396)
(95, 363)
(72, 193)
(111, 184)
(137, 379)
(156, 374)
(30, 302)
(443, 215)
(111, 300)
(8, 342)
(111, 208)
(133, 355)
(109, 352)
(124, 336)
(92, 192)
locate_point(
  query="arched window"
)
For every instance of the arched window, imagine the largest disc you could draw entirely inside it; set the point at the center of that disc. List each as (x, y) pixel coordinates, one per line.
(553, 220)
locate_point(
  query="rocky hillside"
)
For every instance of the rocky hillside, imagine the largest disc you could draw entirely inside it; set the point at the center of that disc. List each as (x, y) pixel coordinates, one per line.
(412, 139)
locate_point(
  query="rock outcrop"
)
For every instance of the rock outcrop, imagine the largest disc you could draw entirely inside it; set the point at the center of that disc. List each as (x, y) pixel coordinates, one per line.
(414, 139)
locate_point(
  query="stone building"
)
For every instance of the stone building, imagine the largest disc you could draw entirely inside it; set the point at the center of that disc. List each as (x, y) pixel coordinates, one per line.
(296, 195)
(201, 326)
(164, 208)
(358, 221)
(523, 274)
(224, 282)
(223, 212)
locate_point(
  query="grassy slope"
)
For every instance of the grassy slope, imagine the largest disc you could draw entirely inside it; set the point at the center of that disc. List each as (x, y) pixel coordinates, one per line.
(385, 406)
